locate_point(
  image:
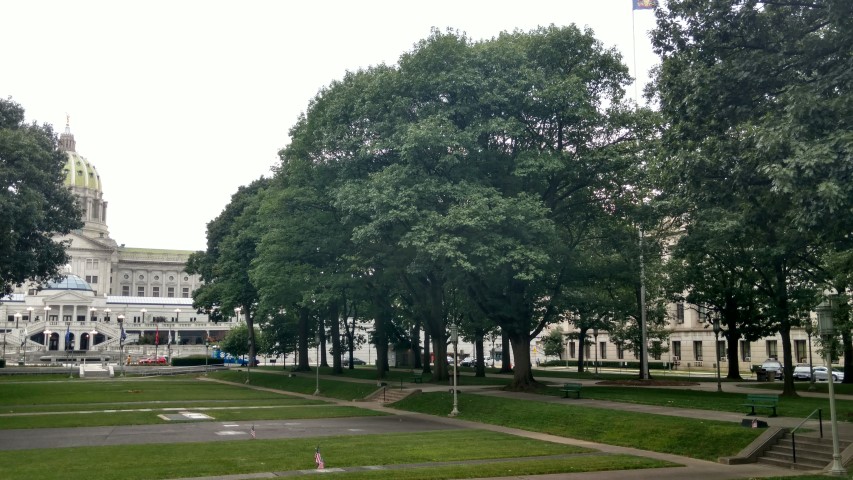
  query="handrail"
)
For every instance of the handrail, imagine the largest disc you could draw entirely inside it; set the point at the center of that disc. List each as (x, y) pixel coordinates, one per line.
(794, 430)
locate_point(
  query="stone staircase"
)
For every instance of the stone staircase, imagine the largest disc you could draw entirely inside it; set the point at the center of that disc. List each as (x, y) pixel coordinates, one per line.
(813, 453)
(388, 394)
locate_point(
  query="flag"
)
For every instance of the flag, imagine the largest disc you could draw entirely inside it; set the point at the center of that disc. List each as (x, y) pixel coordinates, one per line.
(645, 4)
(157, 336)
(68, 337)
(252, 432)
(318, 459)
(123, 335)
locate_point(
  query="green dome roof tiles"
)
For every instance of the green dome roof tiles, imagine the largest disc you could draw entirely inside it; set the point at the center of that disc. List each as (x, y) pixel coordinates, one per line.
(80, 173)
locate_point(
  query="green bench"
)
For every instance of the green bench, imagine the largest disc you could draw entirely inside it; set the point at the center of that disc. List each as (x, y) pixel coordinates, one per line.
(571, 388)
(754, 401)
(418, 377)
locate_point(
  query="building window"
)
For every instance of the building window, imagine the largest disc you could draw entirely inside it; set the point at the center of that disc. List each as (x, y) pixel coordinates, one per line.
(800, 351)
(572, 350)
(92, 279)
(10, 318)
(745, 351)
(91, 264)
(155, 291)
(656, 350)
(185, 292)
(602, 350)
(702, 312)
(170, 292)
(81, 318)
(620, 352)
(721, 350)
(586, 353)
(140, 291)
(679, 312)
(676, 350)
(697, 350)
(125, 290)
(771, 349)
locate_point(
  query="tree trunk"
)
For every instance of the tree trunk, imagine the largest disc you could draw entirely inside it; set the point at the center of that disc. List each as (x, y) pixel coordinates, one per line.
(321, 336)
(415, 339)
(522, 379)
(426, 353)
(731, 352)
(506, 360)
(334, 318)
(479, 366)
(847, 345)
(302, 354)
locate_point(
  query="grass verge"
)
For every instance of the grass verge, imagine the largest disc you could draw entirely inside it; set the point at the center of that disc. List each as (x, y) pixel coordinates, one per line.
(656, 433)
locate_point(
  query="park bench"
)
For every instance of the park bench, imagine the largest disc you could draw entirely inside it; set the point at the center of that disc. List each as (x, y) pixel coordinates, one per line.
(754, 401)
(418, 377)
(571, 388)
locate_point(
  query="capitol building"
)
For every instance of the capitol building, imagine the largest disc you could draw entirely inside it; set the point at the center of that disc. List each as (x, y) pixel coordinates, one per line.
(108, 288)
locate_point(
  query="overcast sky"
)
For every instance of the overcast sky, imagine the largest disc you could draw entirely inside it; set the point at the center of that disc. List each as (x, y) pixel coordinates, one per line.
(178, 103)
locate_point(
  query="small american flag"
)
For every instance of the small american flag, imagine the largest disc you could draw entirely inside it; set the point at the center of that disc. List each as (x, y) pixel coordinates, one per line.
(318, 459)
(252, 432)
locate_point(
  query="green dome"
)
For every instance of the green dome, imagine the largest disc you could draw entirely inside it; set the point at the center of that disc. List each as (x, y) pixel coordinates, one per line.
(80, 173)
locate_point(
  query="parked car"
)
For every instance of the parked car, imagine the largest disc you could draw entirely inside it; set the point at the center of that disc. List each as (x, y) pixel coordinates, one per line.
(773, 365)
(468, 362)
(820, 374)
(803, 371)
(152, 361)
(355, 361)
(244, 361)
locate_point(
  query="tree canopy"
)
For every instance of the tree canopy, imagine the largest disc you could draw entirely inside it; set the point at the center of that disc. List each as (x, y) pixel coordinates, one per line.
(35, 206)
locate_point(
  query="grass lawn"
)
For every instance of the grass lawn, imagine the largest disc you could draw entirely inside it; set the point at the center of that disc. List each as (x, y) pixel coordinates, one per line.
(300, 383)
(723, 402)
(142, 462)
(648, 432)
(140, 402)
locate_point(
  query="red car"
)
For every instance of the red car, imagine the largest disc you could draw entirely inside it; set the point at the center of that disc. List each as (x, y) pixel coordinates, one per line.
(152, 361)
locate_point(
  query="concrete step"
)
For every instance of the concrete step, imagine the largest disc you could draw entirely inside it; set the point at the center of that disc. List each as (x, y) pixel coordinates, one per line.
(389, 395)
(785, 464)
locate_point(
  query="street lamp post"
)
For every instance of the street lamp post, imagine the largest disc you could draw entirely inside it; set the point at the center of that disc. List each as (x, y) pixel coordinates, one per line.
(567, 352)
(454, 337)
(30, 314)
(107, 314)
(17, 319)
(717, 349)
(121, 338)
(809, 327)
(595, 347)
(92, 338)
(142, 312)
(825, 327)
(206, 346)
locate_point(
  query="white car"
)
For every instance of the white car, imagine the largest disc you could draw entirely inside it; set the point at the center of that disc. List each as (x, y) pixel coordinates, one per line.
(820, 374)
(802, 371)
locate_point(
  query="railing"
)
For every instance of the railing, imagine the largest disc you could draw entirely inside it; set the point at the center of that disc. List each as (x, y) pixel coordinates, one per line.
(794, 431)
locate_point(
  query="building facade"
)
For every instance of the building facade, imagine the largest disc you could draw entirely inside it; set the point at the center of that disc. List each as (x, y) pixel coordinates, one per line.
(109, 288)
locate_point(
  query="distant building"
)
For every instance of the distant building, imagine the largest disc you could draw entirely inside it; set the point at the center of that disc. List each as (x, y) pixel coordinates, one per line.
(148, 289)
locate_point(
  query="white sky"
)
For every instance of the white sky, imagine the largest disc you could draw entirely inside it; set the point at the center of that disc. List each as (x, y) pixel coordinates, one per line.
(178, 103)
